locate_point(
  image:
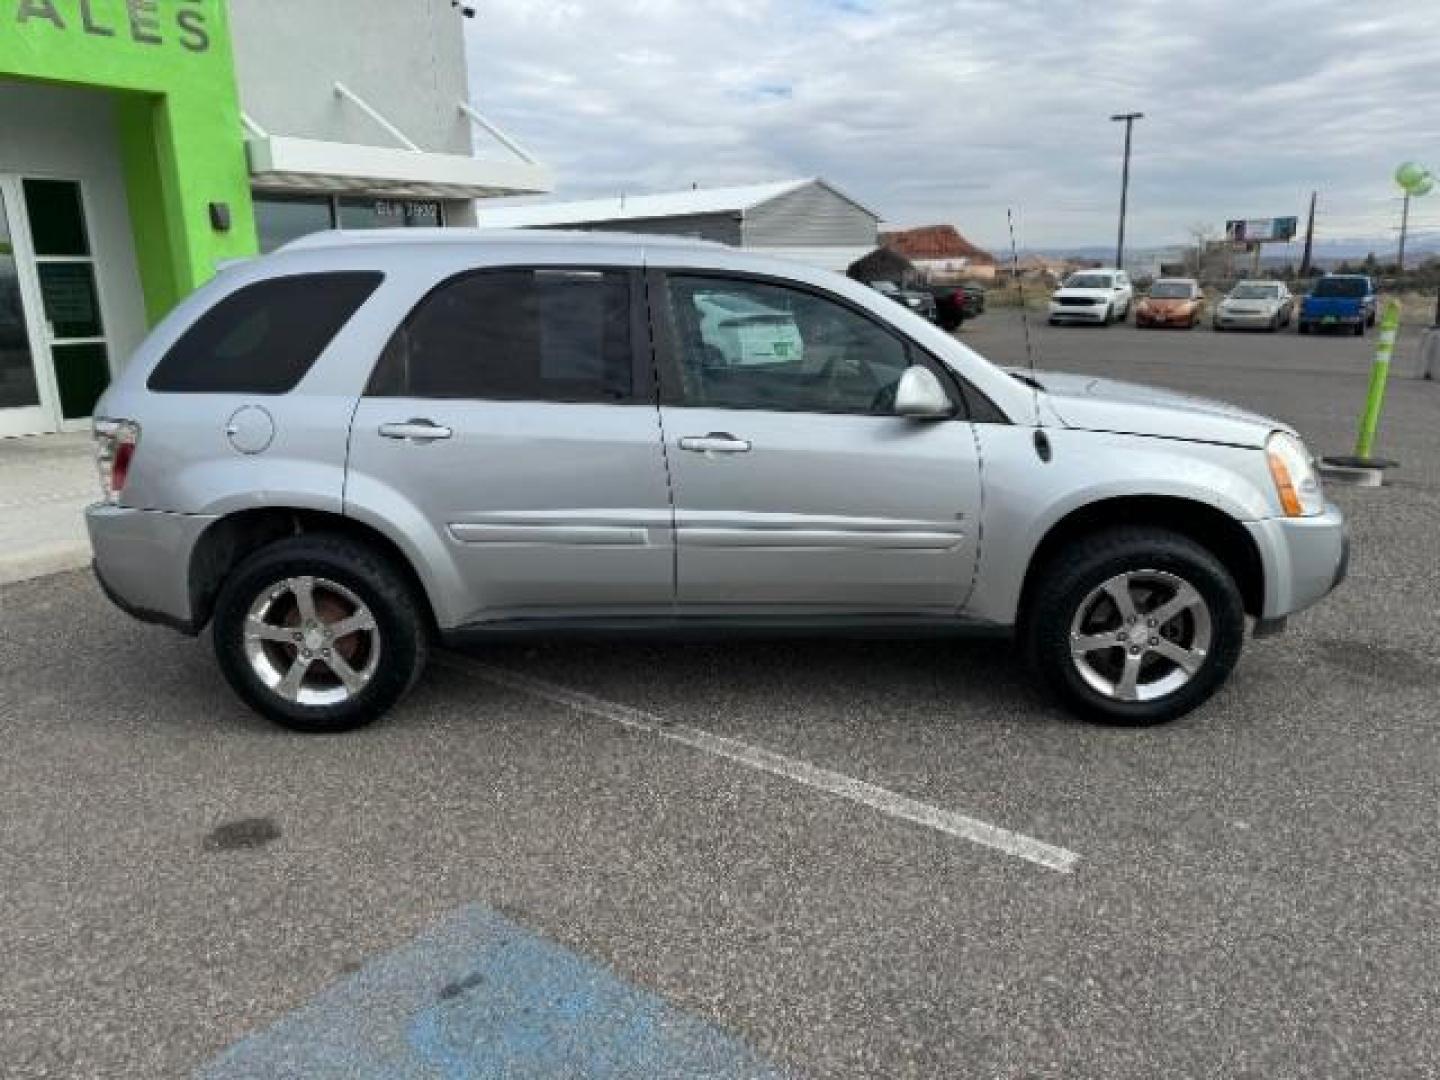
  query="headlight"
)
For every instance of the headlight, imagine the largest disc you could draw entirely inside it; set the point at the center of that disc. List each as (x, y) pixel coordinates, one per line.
(1293, 471)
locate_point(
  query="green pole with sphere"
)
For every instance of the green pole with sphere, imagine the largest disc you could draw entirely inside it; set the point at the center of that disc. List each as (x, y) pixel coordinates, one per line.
(1379, 375)
(1414, 180)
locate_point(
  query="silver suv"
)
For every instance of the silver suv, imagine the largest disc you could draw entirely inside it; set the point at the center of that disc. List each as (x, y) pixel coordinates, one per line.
(343, 452)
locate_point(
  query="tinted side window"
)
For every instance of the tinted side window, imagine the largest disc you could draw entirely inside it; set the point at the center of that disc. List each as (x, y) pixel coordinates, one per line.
(755, 345)
(516, 335)
(263, 338)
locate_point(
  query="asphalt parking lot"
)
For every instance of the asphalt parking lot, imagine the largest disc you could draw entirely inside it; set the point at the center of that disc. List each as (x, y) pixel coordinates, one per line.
(770, 847)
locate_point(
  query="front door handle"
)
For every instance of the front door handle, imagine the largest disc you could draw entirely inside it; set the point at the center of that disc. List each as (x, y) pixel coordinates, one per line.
(717, 442)
(415, 430)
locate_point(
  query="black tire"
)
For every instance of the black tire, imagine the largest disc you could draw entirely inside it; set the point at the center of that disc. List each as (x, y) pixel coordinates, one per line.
(1274, 324)
(1303, 327)
(401, 628)
(1360, 328)
(1065, 583)
(1109, 315)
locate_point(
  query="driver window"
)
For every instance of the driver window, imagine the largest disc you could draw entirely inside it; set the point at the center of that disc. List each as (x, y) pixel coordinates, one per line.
(753, 345)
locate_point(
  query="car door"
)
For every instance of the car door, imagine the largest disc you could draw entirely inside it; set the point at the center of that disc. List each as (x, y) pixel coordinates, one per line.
(511, 423)
(796, 488)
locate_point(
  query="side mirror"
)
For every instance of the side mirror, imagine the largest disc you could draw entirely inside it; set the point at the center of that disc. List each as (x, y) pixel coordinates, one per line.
(920, 396)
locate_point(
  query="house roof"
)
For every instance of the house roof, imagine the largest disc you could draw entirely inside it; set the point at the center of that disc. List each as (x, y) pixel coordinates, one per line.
(718, 200)
(935, 242)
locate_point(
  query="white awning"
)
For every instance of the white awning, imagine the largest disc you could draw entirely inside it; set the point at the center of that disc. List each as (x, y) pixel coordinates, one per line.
(283, 164)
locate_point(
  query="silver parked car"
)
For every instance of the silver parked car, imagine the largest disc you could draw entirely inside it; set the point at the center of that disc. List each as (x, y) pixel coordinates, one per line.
(1263, 305)
(340, 453)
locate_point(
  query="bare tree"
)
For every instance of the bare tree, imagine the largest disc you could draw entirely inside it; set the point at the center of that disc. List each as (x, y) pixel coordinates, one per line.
(1203, 234)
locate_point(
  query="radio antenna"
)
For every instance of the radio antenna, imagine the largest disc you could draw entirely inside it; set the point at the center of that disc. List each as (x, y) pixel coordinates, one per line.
(1024, 312)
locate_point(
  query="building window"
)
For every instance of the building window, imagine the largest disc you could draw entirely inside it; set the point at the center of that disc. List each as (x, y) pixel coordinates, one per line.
(280, 219)
(388, 214)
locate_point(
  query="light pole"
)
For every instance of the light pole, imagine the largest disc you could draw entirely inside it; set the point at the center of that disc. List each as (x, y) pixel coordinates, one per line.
(1129, 118)
(1413, 180)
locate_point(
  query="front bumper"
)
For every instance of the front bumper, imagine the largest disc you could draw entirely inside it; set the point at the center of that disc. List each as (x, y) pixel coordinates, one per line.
(142, 560)
(1323, 321)
(1243, 319)
(1305, 559)
(1078, 313)
(1164, 318)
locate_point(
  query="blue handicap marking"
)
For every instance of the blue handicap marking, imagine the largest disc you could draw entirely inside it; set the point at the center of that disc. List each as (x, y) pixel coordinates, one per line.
(476, 997)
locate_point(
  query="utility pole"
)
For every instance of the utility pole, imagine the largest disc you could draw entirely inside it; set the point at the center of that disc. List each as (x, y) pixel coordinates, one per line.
(1129, 119)
(1309, 239)
(1404, 228)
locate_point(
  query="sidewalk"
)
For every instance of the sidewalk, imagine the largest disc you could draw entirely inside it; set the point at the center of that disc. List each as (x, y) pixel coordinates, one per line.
(46, 481)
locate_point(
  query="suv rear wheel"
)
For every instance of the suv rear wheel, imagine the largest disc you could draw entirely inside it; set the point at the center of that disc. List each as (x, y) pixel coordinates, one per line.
(319, 633)
(1134, 626)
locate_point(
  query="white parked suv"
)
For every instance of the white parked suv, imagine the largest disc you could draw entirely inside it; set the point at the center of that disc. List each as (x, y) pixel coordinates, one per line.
(1094, 296)
(365, 443)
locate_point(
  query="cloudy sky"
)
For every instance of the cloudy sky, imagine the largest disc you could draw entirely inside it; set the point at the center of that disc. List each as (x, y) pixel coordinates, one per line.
(952, 110)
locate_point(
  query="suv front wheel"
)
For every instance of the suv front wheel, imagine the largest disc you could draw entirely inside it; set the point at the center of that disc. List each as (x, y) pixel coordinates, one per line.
(1134, 626)
(319, 633)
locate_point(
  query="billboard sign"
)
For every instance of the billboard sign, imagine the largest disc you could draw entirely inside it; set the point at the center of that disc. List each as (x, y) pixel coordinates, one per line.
(1260, 230)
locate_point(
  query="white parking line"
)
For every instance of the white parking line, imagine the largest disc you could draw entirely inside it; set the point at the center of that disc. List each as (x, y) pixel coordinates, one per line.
(846, 787)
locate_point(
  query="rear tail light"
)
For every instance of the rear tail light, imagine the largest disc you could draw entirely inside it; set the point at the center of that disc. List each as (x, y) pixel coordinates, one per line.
(115, 442)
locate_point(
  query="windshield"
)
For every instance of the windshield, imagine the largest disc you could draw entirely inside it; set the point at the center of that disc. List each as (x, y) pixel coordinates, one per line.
(1171, 290)
(1089, 281)
(1255, 292)
(1340, 286)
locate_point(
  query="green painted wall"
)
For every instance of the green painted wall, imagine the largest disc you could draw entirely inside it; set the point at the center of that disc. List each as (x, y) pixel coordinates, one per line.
(170, 64)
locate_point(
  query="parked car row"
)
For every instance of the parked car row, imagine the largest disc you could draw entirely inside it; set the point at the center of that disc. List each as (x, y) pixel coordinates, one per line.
(1338, 301)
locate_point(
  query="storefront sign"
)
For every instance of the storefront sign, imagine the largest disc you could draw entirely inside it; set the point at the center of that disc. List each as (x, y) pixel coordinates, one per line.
(140, 21)
(406, 209)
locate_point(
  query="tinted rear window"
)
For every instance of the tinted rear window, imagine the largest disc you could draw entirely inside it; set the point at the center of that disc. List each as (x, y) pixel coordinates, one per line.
(263, 338)
(1349, 288)
(516, 335)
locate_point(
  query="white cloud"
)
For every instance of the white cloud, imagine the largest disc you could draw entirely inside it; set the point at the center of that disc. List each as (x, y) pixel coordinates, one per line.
(952, 110)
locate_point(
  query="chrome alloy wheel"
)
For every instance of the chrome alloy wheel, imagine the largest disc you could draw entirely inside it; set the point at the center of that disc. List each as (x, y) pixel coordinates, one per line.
(1140, 636)
(312, 641)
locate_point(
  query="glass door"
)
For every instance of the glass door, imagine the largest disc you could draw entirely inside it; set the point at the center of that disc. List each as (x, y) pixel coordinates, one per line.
(70, 299)
(24, 404)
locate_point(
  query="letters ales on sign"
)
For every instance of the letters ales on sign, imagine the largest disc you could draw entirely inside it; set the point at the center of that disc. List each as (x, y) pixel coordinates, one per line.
(183, 22)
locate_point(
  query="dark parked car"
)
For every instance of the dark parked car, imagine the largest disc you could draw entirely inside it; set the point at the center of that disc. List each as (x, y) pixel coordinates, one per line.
(922, 303)
(956, 303)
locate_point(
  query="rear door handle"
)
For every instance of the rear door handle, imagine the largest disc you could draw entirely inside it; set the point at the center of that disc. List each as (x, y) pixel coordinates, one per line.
(415, 430)
(717, 442)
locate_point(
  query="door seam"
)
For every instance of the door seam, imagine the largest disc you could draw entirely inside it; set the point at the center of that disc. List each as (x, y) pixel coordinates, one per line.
(645, 283)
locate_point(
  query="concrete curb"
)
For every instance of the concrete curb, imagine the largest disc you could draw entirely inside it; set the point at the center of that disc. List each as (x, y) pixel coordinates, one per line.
(28, 565)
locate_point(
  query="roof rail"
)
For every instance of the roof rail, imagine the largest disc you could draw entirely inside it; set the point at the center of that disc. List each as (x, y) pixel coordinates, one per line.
(337, 238)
